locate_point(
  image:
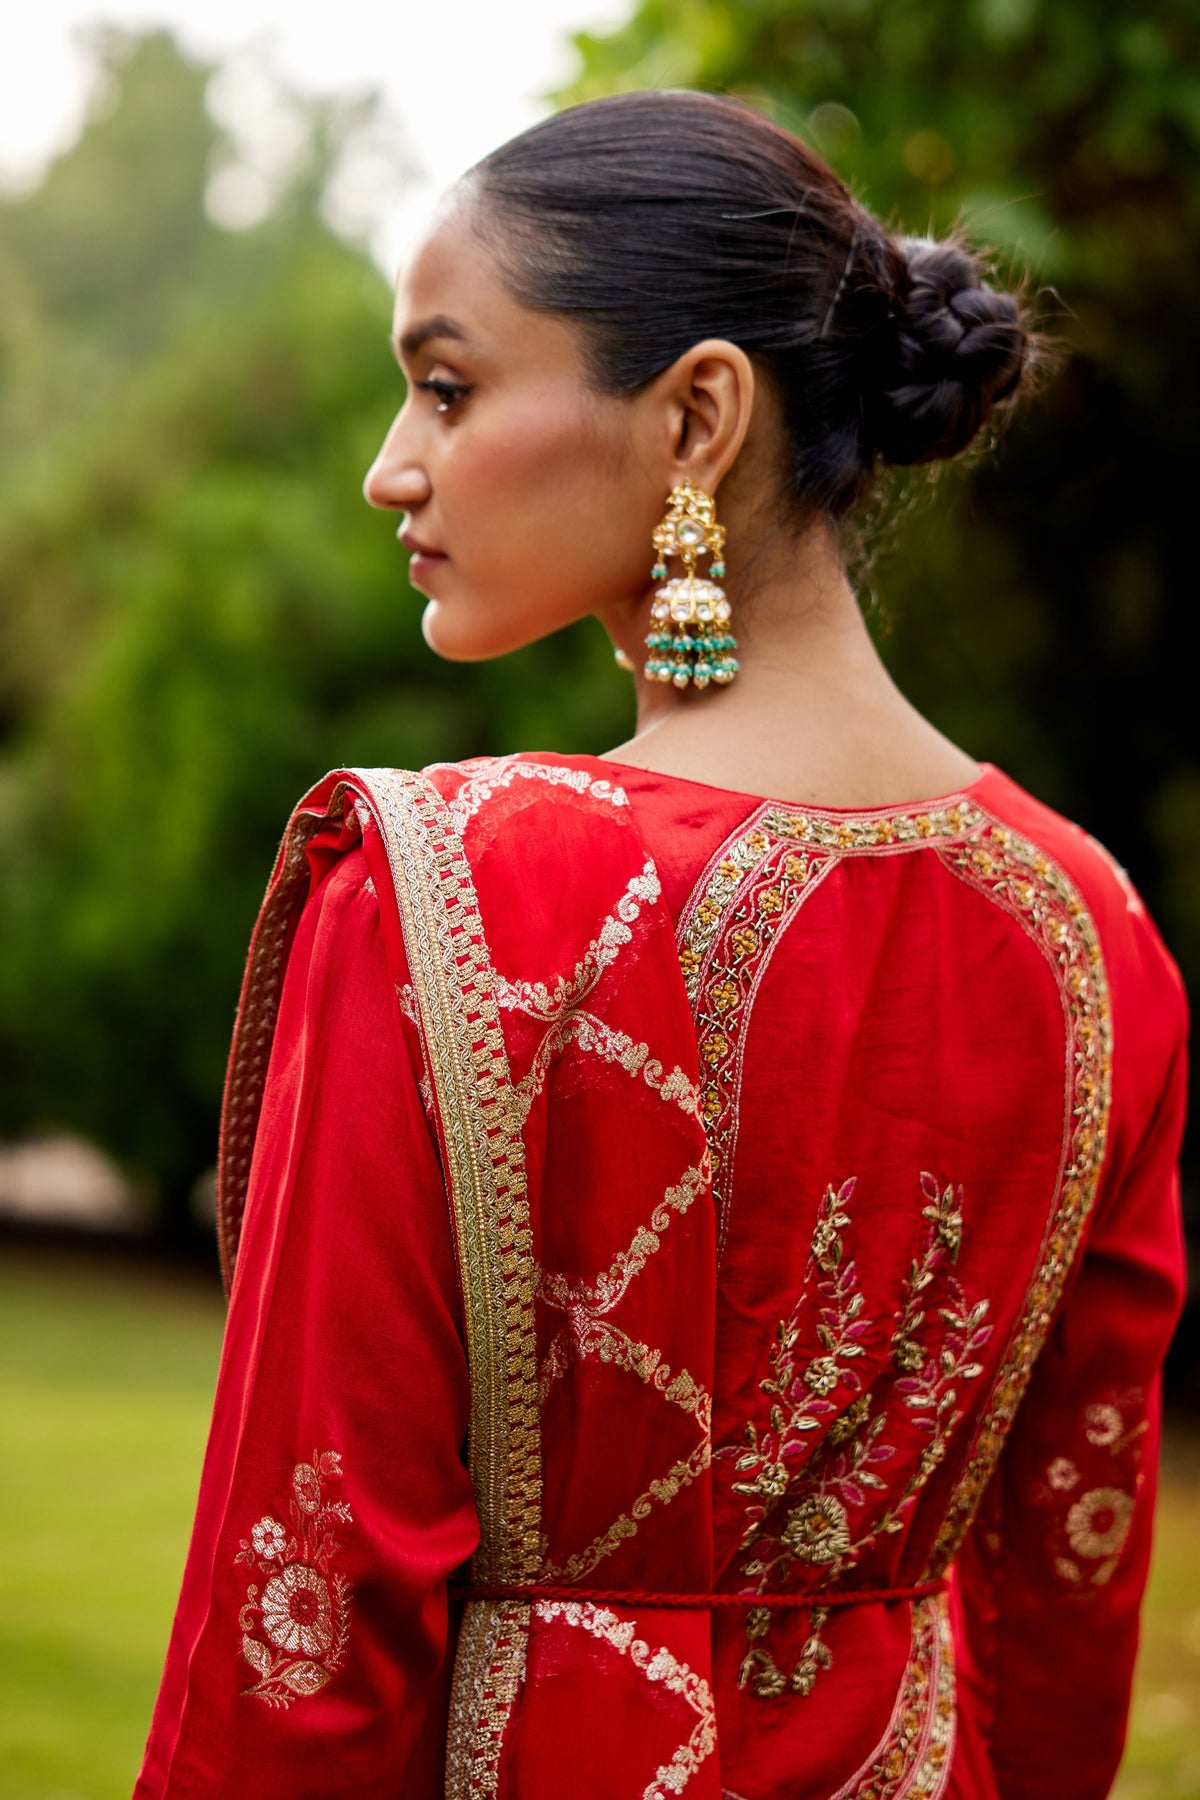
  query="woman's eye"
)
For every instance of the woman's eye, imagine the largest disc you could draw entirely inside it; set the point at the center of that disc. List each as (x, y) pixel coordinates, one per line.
(447, 393)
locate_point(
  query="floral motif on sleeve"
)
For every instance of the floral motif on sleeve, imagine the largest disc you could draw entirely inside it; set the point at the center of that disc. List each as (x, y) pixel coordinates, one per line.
(1091, 1493)
(296, 1619)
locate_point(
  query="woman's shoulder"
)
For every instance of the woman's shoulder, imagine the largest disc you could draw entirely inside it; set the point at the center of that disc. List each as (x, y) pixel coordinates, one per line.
(523, 777)
(1105, 888)
(1147, 1000)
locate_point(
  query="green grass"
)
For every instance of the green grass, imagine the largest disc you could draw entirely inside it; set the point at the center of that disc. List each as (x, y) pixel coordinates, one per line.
(1162, 1760)
(106, 1377)
(106, 1381)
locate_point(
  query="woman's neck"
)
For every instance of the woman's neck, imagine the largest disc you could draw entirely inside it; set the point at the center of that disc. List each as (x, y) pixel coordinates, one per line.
(812, 714)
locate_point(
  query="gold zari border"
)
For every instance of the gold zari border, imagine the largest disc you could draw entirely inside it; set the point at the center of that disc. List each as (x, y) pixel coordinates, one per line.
(454, 985)
(481, 1122)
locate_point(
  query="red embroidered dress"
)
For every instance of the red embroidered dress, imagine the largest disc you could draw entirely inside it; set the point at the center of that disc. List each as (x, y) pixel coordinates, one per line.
(656, 1195)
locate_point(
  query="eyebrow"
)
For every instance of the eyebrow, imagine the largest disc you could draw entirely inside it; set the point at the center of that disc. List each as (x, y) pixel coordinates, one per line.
(438, 326)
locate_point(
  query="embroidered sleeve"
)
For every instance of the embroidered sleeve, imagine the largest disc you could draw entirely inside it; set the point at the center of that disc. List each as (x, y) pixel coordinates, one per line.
(1052, 1573)
(313, 1646)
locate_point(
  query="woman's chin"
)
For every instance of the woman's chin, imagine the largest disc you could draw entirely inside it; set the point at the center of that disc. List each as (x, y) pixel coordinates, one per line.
(464, 640)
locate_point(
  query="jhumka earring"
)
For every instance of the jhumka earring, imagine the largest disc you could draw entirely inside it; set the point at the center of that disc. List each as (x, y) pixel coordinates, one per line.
(700, 648)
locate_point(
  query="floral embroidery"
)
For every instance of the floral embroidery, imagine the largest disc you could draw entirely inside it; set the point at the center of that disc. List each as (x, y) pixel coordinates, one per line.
(1091, 1495)
(816, 1458)
(295, 1628)
(269, 1538)
(658, 1666)
(1098, 1524)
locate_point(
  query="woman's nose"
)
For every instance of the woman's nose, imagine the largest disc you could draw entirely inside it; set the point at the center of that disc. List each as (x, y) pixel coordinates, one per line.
(394, 481)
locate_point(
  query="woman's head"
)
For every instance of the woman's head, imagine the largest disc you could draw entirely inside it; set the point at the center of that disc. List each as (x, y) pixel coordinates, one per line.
(672, 285)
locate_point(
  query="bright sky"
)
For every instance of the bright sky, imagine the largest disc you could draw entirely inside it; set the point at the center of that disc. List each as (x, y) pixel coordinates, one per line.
(460, 77)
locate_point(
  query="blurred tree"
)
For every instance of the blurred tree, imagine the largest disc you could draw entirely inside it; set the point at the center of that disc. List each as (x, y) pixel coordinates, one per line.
(1037, 609)
(198, 616)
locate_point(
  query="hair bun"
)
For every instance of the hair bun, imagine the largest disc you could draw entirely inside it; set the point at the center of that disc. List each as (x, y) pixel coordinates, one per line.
(956, 348)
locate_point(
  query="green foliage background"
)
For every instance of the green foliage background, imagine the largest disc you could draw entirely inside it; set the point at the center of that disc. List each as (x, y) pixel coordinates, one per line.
(198, 616)
(1037, 609)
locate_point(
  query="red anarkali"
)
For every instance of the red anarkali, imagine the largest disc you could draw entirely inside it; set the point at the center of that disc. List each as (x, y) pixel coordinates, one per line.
(705, 1270)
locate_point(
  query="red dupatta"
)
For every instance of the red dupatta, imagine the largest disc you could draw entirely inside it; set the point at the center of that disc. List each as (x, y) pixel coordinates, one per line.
(561, 1055)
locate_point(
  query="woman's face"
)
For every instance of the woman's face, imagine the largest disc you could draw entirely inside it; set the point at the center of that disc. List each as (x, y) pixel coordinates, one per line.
(528, 499)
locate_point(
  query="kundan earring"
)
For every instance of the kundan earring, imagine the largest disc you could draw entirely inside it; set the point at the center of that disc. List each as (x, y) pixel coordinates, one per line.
(700, 647)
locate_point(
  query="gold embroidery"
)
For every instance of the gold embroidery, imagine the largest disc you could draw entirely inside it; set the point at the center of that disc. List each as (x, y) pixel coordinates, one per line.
(660, 1492)
(542, 1002)
(599, 1337)
(604, 1291)
(466, 1056)
(1098, 1523)
(1017, 877)
(824, 1477)
(497, 772)
(722, 928)
(452, 975)
(489, 1666)
(659, 1666)
(913, 1758)
(592, 1034)
(295, 1626)
(1092, 1506)
(755, 884)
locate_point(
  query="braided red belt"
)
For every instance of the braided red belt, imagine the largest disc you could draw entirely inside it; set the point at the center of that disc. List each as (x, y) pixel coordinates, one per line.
(533, 1590)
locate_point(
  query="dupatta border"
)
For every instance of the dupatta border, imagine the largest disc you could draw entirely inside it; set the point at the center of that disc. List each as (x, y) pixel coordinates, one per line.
(481, 1122)
(468, 1065)
(254, 1027)
(485, 1176)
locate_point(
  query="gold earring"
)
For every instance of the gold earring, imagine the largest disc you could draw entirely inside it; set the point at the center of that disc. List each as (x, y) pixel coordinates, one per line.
(700, 649)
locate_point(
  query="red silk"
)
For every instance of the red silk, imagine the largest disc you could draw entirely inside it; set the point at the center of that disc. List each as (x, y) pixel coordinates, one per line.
(888, 1033)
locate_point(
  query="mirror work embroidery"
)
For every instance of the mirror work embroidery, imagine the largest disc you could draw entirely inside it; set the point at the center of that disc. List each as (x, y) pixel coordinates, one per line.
(296, 1620)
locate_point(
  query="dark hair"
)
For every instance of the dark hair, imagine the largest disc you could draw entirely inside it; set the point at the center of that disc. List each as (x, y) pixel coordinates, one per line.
(658, 219)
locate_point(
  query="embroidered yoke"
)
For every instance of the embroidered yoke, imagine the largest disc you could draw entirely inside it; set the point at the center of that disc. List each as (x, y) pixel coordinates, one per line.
(702, 1270)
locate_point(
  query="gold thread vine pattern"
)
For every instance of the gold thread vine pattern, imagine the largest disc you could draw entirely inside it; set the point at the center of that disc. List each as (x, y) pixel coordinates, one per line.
(658, 1666)
(816, 1458)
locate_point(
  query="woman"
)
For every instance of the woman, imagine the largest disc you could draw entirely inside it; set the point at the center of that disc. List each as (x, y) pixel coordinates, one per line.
(710, 1234)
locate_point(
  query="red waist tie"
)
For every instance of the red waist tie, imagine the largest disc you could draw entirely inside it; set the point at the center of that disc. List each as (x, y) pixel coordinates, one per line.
(533, 1590)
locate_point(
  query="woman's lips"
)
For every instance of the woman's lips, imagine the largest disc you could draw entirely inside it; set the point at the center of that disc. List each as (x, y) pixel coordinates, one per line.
(425, 559)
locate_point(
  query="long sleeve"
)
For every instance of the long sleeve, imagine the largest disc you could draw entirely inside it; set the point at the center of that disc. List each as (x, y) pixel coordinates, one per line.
(1050, 1581)
(312, 1648)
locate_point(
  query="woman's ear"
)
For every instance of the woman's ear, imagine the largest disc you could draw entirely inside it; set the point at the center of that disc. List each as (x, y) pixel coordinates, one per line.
(710, 398)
